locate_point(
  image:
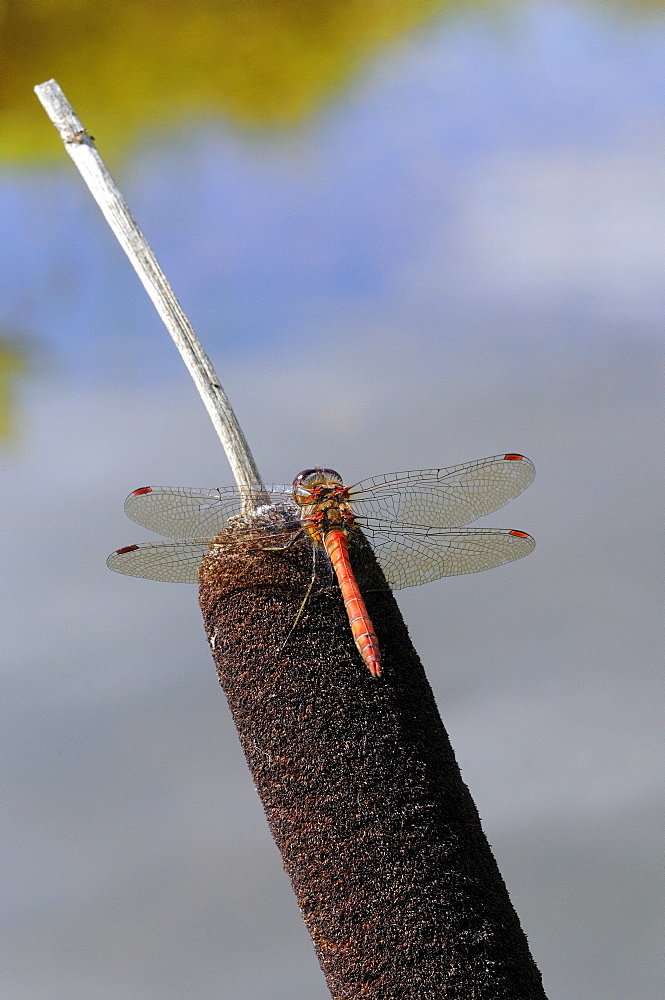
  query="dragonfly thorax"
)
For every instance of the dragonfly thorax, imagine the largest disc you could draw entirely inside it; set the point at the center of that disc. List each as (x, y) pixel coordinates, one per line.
(323, 501)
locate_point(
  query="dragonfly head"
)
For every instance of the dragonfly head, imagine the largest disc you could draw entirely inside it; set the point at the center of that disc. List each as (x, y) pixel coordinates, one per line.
(312, 479)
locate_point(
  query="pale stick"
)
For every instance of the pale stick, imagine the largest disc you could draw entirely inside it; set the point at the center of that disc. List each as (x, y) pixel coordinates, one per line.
(81, 148)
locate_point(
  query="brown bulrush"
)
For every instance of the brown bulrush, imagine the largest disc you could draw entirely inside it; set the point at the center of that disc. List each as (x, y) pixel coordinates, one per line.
(381, 839)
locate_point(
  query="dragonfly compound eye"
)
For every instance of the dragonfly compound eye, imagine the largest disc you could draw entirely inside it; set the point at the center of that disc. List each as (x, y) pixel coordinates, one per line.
(311, 478)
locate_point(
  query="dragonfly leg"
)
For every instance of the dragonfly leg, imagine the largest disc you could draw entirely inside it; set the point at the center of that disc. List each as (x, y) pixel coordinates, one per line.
(304, 601)
(278, 548)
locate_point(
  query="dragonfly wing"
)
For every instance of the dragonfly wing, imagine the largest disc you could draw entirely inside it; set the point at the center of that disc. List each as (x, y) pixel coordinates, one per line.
(441, 498)
(173, 562)
(408, 559)
(180, 512)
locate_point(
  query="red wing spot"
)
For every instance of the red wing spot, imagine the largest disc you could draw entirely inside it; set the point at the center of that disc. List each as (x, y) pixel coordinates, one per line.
(144, 489)
(127, 548)
(517, 534)
(508, 458)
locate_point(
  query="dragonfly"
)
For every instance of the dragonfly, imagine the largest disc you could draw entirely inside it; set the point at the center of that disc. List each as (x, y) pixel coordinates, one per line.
(413, 524)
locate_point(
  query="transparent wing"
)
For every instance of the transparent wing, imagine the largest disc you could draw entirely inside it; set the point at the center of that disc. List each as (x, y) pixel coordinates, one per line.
(180, 512)
(409, 558)
(173, 562)
(440, 498)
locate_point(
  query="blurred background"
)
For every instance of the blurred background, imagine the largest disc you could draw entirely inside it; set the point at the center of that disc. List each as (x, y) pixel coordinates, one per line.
(409, 235)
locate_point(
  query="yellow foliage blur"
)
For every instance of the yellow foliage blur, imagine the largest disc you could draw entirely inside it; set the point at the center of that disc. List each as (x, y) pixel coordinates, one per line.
(136, 64)
(13, 365)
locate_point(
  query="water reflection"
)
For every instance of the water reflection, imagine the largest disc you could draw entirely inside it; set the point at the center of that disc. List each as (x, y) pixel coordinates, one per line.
(476, 182)
(132, 67)
(460, 252)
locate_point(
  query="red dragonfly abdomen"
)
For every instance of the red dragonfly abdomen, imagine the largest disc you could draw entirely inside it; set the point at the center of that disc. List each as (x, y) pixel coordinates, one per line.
(361, 625)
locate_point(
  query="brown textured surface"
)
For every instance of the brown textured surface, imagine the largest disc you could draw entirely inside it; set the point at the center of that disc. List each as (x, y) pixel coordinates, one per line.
(378, 833)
